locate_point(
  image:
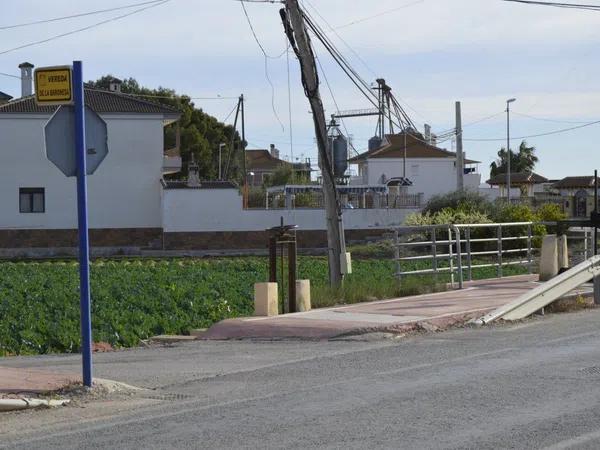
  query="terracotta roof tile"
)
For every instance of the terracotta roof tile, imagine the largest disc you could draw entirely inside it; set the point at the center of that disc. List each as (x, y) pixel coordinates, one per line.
(101, 101)
(261, 159)
(517, 178)
(575, 182)
(395, 144)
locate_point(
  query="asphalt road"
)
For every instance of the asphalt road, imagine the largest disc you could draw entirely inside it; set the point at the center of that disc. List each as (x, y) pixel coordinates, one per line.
(531, 385)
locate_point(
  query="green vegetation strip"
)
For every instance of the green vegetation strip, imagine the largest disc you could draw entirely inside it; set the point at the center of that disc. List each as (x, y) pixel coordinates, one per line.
(134, 300)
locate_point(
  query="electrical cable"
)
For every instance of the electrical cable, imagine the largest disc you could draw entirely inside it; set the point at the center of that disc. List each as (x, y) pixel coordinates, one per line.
(335, 102)
(266, 56)
(558, 5)
(176, 97)
(333, 30)
(229, 115)
(383, 13)
(549, 133)
(78, 30)
(10, 75)
(543, 119)
(360, 83)
(73, 16)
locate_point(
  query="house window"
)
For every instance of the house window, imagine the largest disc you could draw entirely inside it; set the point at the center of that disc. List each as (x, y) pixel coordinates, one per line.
(32, 200)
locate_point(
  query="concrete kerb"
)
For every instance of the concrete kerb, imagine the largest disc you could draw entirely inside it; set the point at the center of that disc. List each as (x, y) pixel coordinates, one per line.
(18, 404)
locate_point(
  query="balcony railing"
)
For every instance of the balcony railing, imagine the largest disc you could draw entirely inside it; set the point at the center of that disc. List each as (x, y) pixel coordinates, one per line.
(257, 199)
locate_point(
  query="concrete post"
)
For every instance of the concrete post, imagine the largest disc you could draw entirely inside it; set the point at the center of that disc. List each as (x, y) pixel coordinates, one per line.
(563, 253)
(549, 258)
(266, 299)
(303, 295)
(346, 263)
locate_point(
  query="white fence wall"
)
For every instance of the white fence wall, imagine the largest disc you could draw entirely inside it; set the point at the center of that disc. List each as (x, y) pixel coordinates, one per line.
(197, 210)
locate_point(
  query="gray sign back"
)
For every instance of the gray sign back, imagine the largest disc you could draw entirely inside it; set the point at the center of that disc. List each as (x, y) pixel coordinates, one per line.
(60, 140)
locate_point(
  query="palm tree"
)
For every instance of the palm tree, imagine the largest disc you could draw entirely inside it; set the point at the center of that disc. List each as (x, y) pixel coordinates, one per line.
(522, 161)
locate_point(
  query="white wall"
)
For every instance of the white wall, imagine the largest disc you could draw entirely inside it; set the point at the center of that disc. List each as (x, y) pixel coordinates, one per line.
(431, 176)
(123, 193)
(191, 210)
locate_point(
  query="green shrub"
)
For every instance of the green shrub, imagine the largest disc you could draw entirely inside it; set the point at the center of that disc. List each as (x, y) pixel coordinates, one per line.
(550, 212)
(446, 216)
(460, 200)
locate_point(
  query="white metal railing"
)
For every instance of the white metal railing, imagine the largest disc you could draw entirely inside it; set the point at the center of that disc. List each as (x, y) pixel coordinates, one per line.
(454, 250)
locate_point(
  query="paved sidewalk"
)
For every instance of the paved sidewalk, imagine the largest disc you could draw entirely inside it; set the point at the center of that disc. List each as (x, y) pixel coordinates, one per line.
(431, 311)
(33, 381)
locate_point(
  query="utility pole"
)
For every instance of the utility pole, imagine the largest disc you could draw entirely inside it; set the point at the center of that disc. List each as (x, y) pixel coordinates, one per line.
(245, 185)
(221, 145)
(297, 34)
(508, 152)
(460, 157)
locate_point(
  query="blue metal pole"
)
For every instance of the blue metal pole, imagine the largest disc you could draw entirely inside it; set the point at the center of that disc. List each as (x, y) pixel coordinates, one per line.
(84, 246)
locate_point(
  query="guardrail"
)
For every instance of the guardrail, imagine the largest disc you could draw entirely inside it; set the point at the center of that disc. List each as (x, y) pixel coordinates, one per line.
(459, 249)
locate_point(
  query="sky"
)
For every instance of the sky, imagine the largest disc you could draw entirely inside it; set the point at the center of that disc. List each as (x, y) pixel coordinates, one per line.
(431, 52)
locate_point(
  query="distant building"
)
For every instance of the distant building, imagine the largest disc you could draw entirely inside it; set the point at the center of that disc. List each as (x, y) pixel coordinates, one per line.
(428, 170)
(261, 164)
(526, 182)
(577, 194)
(4, 98)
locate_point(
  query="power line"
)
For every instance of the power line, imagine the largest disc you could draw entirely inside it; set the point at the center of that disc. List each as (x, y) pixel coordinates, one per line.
(267, 57)
(558, 4)
(364, 63)
(262, 48)
(97, 24)
(177, 97)
(543, 119)
(73, 16)
(229, 115)
(549, 133)
(335, 102)
(331, 29)
(483, 119)
(383, 13)
(10, 75)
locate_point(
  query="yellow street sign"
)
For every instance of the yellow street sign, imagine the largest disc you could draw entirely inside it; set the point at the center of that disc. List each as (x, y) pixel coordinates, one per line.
(53, 85)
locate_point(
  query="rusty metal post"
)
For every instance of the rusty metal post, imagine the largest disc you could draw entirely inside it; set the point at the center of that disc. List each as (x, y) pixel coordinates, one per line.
(292, 276)
(273, 259)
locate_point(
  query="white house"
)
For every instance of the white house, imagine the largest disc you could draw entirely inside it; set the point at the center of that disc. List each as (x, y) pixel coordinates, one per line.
(430, 169)
(125, 192)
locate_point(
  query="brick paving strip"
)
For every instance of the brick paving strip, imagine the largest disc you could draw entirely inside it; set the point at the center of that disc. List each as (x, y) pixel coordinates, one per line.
(430, 312)
(23, 381)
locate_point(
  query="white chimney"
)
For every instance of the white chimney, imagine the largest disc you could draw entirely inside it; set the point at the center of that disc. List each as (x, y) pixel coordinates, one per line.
(115, 85)
(428, 133)
(193, 174)
(26, 79)
(274, 151)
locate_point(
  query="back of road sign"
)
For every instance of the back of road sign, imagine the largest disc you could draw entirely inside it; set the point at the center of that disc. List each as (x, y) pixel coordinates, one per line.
(60, 140)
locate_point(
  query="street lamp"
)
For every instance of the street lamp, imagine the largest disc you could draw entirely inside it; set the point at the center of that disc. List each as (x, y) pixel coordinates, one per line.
(508, 153)
(221, 145)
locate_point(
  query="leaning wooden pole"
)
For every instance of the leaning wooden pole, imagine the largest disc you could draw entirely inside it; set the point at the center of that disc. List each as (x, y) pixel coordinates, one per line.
(295, 29)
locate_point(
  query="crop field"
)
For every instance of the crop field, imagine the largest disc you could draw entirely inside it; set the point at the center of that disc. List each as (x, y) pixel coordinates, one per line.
(134, 300)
